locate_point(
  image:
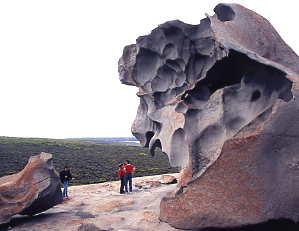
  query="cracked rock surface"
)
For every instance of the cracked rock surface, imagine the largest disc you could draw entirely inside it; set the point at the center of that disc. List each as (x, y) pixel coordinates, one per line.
(33, 190)
(218, 99)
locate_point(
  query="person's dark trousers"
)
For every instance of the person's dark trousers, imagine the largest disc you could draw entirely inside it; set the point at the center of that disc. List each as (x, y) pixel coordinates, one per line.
(122, 185)
(128, 180)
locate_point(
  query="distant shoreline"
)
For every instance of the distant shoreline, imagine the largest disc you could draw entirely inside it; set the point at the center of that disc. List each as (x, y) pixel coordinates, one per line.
(108, 140)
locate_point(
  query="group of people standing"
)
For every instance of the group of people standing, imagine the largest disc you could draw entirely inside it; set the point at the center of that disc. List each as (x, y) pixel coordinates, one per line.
(125, 174)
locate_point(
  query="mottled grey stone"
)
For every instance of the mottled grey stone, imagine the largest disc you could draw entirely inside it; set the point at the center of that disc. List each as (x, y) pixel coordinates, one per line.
(206, 87)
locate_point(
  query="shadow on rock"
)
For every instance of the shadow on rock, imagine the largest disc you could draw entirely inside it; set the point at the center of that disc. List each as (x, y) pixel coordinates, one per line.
(91, 227)
(281, 224)
(21, 220)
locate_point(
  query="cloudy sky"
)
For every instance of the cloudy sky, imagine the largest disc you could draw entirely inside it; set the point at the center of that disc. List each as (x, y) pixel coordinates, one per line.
(58, 60)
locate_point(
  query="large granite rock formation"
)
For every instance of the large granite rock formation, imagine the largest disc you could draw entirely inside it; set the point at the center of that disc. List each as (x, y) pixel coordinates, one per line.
(33, 190)
(218, 98)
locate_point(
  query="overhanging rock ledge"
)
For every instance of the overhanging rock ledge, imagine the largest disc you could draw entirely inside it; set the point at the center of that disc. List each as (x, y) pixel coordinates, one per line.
(218, 99)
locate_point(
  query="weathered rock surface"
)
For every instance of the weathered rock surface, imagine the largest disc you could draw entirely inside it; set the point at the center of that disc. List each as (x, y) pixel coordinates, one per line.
(100, 207)
(218, 98)
(168, 179)
(150, 183)
(33, 190)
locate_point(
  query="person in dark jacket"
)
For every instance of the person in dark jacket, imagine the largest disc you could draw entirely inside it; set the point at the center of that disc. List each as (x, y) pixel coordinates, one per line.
(121, 176)
(65, 177)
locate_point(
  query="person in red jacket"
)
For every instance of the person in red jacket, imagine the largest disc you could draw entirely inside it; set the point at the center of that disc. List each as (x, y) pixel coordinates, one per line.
(129, 170)
(121, 176)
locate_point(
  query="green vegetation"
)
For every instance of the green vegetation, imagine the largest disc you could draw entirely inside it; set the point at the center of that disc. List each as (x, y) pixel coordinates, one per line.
(89, 162)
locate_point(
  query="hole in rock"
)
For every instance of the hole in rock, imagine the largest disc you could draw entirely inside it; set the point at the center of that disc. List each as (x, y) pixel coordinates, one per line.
(148, 136)
(224, 12)
(227, 71)
(255, 95)
(231, 70)
(156, 144)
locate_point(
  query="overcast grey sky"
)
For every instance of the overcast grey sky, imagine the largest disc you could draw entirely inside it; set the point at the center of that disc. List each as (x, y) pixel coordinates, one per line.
(58, 60)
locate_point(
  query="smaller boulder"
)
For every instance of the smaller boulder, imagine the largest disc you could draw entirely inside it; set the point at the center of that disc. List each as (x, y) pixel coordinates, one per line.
(33, 190)
(168, 179)
(147, 184)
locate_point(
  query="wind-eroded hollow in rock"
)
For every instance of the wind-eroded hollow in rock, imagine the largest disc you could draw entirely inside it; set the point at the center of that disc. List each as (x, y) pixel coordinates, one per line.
(235, 67)
(210, 95)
